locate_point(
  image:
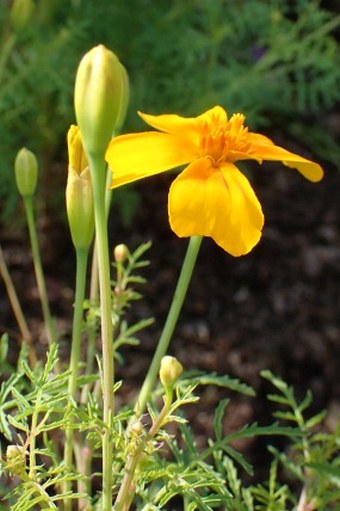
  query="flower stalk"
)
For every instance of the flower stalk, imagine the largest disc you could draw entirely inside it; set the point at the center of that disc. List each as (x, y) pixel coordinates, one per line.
(98, 172)
(50, 331)
(26, 176)
(126, 490)
(101, 91)
(82, 257)
(171, 321)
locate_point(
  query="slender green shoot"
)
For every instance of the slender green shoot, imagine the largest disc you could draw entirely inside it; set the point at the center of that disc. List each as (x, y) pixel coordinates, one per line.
(50, 330)
(81, 257)
(170, 324)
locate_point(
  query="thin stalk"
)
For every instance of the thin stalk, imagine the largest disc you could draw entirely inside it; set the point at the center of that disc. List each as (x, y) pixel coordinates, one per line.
(17, 310)
(94, 293)
(34, 424)
(98, 174)
(81, 266)
(83, 456)
(174, 311)
(5, 53)
(39, 274)
(94, 290)
(126, 491)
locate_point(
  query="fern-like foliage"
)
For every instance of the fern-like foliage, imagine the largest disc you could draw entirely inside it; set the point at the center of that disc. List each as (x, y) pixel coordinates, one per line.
(275, 60)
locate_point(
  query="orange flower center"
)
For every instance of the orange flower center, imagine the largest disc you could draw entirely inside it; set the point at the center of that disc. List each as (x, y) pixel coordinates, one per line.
(223, 140)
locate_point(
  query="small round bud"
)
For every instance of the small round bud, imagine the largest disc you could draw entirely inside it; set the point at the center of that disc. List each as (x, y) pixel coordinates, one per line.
(99, 92)
(26, 172)
(137, 428)
(22, 13)
(16, 459)
(170, 370)
(120, 253)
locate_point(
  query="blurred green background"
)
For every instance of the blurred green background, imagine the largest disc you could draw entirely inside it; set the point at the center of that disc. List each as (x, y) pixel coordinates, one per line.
(277, 61)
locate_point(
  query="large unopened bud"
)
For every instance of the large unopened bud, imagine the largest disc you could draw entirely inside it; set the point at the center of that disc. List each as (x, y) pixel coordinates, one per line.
(79, 195)
(26, 172)
(100, 87)
(170, 370)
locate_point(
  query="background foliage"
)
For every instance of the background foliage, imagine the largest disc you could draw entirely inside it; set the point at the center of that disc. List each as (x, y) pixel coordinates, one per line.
(277, 61)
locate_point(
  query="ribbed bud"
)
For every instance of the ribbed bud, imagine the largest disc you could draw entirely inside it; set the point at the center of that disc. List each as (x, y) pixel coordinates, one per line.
(99, 95)
(79, 195)
(170, 371)
(26, 172)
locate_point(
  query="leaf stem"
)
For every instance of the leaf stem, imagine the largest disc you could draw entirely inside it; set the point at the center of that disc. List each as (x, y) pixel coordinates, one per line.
(174, 311)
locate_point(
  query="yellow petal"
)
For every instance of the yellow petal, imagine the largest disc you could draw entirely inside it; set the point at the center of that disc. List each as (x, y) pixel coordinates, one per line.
(171, 123)
(216, 202)
(139, 155)
(262, 148)
(190, 128)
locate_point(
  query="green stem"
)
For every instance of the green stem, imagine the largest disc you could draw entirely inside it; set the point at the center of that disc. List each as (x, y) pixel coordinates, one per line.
(28, 202)
(174, 311)
(98, 174)
(5, 54)
(126, 491)
(81, 265)
(34, 424)
(94, 293)
(81, 255)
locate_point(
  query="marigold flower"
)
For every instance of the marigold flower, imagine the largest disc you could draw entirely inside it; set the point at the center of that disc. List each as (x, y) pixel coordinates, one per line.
(210, 197)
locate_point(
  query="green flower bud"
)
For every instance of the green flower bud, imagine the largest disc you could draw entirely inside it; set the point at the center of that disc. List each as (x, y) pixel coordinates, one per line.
(99, 92)
(137, 428)
(120, 253)
(26, 172)
(170, 371)
(79, 195)
(22, 13)
(16, 459)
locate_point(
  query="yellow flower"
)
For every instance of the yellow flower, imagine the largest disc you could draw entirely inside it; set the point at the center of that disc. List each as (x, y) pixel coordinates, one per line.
(210, 197)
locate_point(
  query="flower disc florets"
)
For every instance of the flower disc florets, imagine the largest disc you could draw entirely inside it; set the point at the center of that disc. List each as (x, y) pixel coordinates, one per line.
(223, 140)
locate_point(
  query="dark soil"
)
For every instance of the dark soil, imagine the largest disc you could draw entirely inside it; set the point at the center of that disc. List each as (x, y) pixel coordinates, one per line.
(277, 308)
